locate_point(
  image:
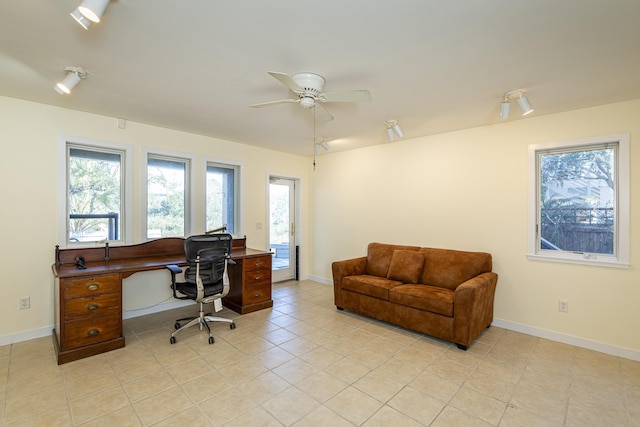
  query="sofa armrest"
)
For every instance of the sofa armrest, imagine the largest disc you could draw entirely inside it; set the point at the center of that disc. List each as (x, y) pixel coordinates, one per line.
(341, 269)
(473, 307)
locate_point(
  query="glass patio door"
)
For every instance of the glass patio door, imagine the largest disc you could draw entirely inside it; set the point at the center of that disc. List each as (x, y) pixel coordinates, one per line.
(282, 227)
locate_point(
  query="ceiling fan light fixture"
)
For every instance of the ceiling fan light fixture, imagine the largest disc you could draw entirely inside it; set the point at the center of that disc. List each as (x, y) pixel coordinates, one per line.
(70, 80)
(93, 9)
(80, 19)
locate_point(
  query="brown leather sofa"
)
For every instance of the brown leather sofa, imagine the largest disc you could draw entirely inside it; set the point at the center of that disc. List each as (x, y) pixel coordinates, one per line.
(444, 293)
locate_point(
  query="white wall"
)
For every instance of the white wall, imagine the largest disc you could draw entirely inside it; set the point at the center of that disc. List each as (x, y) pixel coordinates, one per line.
(468, 190)
(29, 136)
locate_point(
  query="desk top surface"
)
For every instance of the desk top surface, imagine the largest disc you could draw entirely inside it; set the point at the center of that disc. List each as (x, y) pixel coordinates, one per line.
(128, 266)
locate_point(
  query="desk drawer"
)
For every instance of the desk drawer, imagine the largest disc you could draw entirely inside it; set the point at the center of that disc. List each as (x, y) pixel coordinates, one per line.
(256, 294)
(85, 308)
(256, 277)
(91, 331)
(258, 263)
(90, 286)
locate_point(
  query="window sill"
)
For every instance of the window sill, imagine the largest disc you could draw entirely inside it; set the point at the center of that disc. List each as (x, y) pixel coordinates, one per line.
(592, 260)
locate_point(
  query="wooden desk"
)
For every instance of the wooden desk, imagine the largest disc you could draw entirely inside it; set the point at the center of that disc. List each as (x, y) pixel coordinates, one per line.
(88, 302)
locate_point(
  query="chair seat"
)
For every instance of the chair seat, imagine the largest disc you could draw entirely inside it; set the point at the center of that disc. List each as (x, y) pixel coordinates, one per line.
(191, 291)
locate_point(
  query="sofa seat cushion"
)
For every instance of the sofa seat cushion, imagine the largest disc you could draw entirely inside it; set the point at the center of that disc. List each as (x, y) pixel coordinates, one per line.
(374, 286)
(424, 297)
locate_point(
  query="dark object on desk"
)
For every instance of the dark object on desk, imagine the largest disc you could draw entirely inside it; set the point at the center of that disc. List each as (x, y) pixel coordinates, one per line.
(206, 279)
(80, 263)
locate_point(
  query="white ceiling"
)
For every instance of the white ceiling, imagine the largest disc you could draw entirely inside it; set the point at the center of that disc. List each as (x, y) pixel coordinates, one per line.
(437, 66)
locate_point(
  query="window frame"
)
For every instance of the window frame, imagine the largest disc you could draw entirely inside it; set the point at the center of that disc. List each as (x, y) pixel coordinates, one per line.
(126, 185)
(189, 214)
(620, 258)
(238, 182)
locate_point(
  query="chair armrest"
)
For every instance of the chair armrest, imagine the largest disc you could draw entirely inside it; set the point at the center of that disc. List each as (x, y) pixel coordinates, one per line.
(174, 269)
(473, 306)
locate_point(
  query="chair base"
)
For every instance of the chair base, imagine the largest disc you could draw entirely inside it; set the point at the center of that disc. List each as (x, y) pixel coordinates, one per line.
(201, 320)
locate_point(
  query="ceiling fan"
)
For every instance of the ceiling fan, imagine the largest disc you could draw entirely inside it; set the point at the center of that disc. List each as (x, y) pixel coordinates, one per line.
(308, 88)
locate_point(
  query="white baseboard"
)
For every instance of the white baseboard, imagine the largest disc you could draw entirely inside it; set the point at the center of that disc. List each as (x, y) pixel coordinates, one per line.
(319, 279)
(47, 331)
(568, 339)
(130, 314)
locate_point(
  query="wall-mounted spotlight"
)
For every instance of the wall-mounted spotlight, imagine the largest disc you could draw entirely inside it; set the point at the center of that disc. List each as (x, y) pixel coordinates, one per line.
(93, 9)
(71, 79)
(321, 143)
(521, 99)
(80, 19)
(393, 129)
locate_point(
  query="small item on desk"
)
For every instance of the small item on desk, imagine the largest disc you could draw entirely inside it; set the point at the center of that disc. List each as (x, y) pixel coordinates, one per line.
(80, 263)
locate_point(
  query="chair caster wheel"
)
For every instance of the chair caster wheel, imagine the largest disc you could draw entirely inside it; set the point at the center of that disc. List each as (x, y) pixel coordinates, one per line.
(172, 340)
(211, 340)
(177, 325)
(232, 325)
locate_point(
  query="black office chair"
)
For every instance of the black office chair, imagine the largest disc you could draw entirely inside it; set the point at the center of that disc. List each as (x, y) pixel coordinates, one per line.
(206, 279)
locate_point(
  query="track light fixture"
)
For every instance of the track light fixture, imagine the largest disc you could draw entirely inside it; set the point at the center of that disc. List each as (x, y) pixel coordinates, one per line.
(521, 99)
(321, 143)
(80, 19)
(71, 79)
(393, 129)
(93, 9)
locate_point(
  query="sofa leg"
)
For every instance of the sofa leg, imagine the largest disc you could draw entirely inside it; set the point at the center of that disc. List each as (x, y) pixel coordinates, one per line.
(462, 347)
(339, 308)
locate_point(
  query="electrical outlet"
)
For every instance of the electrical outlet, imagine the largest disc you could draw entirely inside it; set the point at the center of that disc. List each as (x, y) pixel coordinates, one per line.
(25, 302)
(563, 306)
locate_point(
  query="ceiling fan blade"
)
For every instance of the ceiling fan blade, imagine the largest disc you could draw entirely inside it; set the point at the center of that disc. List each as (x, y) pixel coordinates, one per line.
(346, 96)
(322, 115)
(268, 104)
(286, 80)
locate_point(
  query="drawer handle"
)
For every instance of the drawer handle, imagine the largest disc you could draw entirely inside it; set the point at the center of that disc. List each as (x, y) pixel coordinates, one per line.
(93, 286)
(258, 264)
(92, 307)
(258, 277)
(257, 294)
(93, 332)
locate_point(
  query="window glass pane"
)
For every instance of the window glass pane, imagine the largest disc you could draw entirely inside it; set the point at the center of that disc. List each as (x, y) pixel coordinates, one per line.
(94, 194)
(578, 200)
(221, 196)
(166, 197)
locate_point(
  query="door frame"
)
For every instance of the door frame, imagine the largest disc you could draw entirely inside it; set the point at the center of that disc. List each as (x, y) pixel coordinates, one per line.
(296, 219)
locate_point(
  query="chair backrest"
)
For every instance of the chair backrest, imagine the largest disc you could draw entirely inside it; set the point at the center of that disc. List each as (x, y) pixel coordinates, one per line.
(211, 251)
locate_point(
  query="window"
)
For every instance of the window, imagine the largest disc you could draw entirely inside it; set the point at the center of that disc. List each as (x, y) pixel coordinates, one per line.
(167, 196)
(93, 193)
(222, 196)
(579, 201)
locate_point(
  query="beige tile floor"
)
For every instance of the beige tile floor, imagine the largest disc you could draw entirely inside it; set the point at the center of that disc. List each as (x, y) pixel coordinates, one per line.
(303, 363)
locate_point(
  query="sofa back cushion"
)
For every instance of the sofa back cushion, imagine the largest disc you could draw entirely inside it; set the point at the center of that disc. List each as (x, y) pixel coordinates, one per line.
(379, 257)
(406, 266)
(448, 268)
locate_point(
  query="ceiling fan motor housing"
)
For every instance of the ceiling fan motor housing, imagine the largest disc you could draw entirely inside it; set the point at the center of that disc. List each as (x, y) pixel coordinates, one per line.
(311, 84)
